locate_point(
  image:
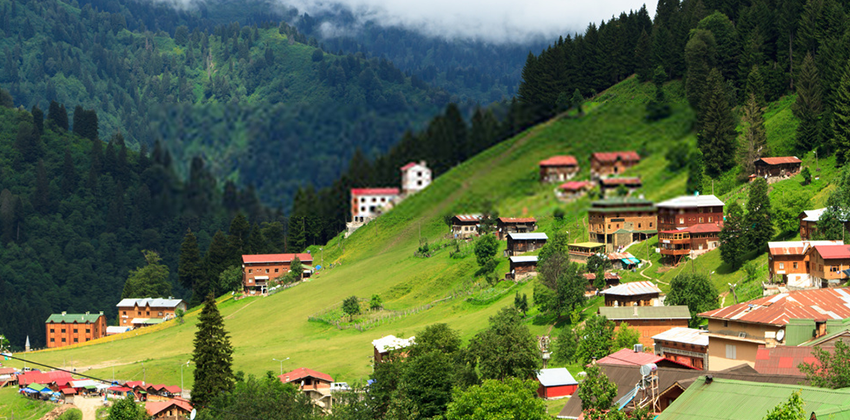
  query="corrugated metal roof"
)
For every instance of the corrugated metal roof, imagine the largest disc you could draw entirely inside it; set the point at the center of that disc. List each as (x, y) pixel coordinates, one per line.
(735, 400)
(533, 236)
(634, 288)
(391, 342)
(621, 313)
(795, 247)
(517, 220)
(629, 357)
(276, 258)
(523, 258)
(613, 156)
(817, 304)
(374, 191)
(70, 318)
(683, 335)
(621, 181)
(833, 252)
(784, 360)
(468, 217)
(555, 377)
(559, 161)
(304, 373)
(686, 201)
(813, 215)
(150, 302)
(780, 160)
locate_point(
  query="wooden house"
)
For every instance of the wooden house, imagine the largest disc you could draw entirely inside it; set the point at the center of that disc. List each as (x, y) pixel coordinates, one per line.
(638, 293)
(68, 329)
(580, 252)
(689, 226)
(572, 190)
(603, 164)
(522, 266)
(506, 225)
(558, 169)
(142, 312)
(465, 225)
(684, 345)
(520, 243)
(611, 186)
(777, 167)
(829, 264)
(259, 270)
(316, 385)
(617, 222)
(809, 223)
(171, 409)
(789, 262)
(648, 320)
(384, 345)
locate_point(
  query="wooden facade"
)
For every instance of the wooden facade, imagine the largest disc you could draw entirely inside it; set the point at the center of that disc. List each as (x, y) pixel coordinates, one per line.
(465, 226)
(506, 225)
(604, 164)
(130, 310)
(617, 222)
(520, 243)
(558, 169)
(771, 167)
(828, 263)
(258, 271)
(68, 329)
(521, 266)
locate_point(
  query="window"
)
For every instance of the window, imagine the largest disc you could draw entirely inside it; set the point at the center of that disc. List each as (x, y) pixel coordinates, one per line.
(681, 220)
(650, 224)
(75, 330)
(250, 270)
(52, 331)
(383, 200)
(731, 351)
(362, 208)
(52, 340)
(725, 323)
(795, 265)
(76, 340)
(362, 200)
(638, 225)
(419, 173)
(148, 313)
(267, 271)
(63, 331)
(781, 266)
(63, 340)
(709, 219)
(419, 183)
(700, 219)
(88, 330)
(160, 314)
(276, 270)
(374, 199)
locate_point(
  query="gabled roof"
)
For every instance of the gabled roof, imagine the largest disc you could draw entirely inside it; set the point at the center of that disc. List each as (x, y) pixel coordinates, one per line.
(275, 258)
(703, 228)
(391, 342)
(374, 191)
(7, 371)
(150, 302)
(795, 247)
(301, 373)
(42, 377)
(629, 357)
(71, 318)
(532, 236)
(833, 252)
(687, 201)
(517, 220)
(784, 360)
(555, 377)
(683, 335)
(574, 185)
(817, 304)
(119, 389)
(559, 161)
(414, 164)
(133, 384)
(780, 160)
(173, 389)
(468, 217)
(523, 258)
(626, 313)
(620, 181)
(630, 156)
(155, 407)
(632, 289)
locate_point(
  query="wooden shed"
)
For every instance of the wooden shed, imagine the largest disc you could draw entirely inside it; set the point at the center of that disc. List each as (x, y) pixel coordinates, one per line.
(519, 243)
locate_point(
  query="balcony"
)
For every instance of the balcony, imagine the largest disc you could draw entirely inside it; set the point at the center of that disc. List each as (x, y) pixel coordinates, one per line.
(675, 250)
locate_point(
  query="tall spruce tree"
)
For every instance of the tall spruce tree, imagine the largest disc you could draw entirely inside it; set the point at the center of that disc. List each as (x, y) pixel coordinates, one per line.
(841, 118)
(190, 267)
(759, 219)
(716, 136)
(38, 119)
(733, 240)
(700, 55)
(213, 356)
(808, 106)
(216, 260)
(753, 136)
(69, 174)
(41, 199)
(237, 238)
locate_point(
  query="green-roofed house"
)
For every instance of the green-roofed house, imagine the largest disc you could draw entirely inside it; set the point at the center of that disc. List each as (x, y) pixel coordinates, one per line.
(617, 222)
(66, 329)
(648, 320)
(722, 399)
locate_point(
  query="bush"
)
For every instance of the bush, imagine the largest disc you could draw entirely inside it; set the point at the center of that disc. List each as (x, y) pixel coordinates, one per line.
(558, 214)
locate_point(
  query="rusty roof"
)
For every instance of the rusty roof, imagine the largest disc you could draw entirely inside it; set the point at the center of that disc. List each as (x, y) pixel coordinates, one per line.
(517, 220)
(795, 247)
(629, 357)
(574, 185)
(634, 288)
(780, 160)
(613, 156)
(683, 335)
(559, 161)
(817, 304)
(468, 217)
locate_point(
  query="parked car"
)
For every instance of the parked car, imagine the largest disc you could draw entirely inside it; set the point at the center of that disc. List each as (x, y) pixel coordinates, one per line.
(340, 386)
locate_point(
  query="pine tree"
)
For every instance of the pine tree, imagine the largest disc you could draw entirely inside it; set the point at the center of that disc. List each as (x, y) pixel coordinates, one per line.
(190, 268)
(753, 136)
(716, 136)
(237, 238)
(733, 240)
(296, 234)
(578, 99)
(643, 59)
(41, 200)
(755, 86)
(841, 119)
(759, 219)
(213, 356)
(256, 243)
(216, 260)
(700, 54)
(695, 171)
(27, 142)
(69, 174)
(38, 119)
(808, 106)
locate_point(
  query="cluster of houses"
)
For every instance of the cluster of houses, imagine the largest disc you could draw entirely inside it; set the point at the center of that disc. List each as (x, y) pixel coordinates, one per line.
(605, 171)
(161, 401)
(369, 203)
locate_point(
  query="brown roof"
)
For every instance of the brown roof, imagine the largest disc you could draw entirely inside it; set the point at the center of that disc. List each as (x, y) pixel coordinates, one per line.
(155, 407)
(817, 304)
(621, 181)
(780, 160)
(517, 220)
(613, 156)
(559, 161)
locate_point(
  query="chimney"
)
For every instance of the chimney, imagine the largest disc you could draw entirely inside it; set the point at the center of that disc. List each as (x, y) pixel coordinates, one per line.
(708, 379)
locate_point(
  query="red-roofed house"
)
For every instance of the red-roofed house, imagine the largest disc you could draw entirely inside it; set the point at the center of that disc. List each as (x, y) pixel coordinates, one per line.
(631, 357)
(828, 263)
(691, 241)
(508, 225)
(573, 189)
(789, 262)
(784, 360)
(611, 163)
(465, 225)
(558, 169)
(608, 186)
(782, 167)
(316, 385)
(258, 270)
(368, 203)
(173, 409)
(415, 177)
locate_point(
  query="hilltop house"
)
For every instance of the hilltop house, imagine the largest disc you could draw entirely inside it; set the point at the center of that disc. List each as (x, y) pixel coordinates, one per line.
(259, 270)
(172, 409)
(316, 385)
(143, 312)
(689, 226)
(572, 190)
(648, 320)
(617, 222)
(384, 345)
(369, 203)
(520, 243)
(558, 169)
(506, 225)
(610, 186)
(809, 223)
(829, 264)
(465, 225)
(789, 262)
(638, 293)
(415, 177)
(776, 168)
(604, 164)
(66, 329)
(684, 345)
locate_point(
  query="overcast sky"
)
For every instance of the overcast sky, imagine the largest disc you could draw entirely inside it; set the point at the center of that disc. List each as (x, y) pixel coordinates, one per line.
(497, 21)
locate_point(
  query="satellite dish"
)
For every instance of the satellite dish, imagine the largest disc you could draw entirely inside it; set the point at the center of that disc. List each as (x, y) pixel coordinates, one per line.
(780, 335)
(194, 413)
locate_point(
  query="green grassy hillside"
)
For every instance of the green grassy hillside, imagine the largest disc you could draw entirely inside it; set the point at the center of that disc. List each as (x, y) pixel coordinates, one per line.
(379, 258)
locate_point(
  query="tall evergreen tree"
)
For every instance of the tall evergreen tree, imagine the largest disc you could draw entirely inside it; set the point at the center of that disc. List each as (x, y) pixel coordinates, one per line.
(190, 268)
(759, 219)
(27, 142)
(213, 356)
(716, 136)
(38, 119)
(841, 118)
(69, 174)
(733, 238)
(753, 136)
(808, 106)
(41, 199)
(700, 56)
(643, 57)
(237, 238)
(216, 260)
(58, 115)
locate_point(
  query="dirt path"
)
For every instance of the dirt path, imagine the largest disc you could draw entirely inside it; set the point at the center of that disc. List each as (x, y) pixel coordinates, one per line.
(723, 299)
(649, 264)
(88, 406)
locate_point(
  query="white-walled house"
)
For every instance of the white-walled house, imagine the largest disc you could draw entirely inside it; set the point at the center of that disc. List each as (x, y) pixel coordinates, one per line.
(415, 177)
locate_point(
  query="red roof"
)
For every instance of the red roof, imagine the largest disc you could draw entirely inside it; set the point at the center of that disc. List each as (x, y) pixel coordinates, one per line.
(173, 389)
(560, 161)
(119, 389)
(276, 258)
(468, 217)
(590, 276)
(784, 360)
(817, 304)
(155, 407)
(7, 371)
(630, 156)
(408, 166)
(621, 181)
(374, 191)
(574, 185)
(42, 377)
(304, 373)
(68, 391)
(157, 387)
(780, 160)
(629, 357)
(833, 252)
(517, 220)
(133, 384)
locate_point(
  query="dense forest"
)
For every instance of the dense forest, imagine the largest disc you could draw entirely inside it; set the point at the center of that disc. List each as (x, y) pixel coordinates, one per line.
(76, 214)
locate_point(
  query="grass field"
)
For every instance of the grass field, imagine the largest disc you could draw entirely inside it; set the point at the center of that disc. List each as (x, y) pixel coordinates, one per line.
(379, 258)
(14, 406)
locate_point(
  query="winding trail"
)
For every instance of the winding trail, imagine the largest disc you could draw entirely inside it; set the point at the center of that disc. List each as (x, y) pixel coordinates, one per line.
(649, 264)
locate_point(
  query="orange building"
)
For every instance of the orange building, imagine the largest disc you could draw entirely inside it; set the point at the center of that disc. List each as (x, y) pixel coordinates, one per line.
(67, 329)
(829, 264)
(173, 409)
(258, 270)
(789, 262)
(143, 312)
(648, 320)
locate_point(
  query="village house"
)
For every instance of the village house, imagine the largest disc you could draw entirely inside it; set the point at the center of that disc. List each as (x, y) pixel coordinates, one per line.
(791, 318)
(648, 320)
(809, 223)
(636, 356)
(558, 169)
(259, 270)
(611, 186)
(789, 262)
(522, 266)
(148, 311)
(689, 226)
(623, 260)
(604, 164)
(384, 345)
(829, 264)
(611, 280)
(638, 293)
(68, 329)
(776, 168)
(580, 252)
(572, 190)
(555, 383)
(415, 177)
(316, 385)
(506, 225)
(369, 203)
(465, 226)
(617, 222)
(520, 243)
(172, 409)
(684, 345)
(689, 242)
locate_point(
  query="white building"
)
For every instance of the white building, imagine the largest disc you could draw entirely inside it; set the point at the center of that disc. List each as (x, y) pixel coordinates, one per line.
(368, 203)
(415, 177)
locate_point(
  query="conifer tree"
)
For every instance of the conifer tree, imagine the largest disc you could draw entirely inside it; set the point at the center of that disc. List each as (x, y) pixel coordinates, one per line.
(643, 57)
(41, 200)
(808, 106)
(733, 240)
(700, 52)
(237, 238)
(27, 142)
(69, 174)
(759, 219)
(695, 171)
(716, 136)
(190, 267)
(216, 260)
(841, 118)
(755, 86)
(58, 115)
(213, 356)
(256, 243)
(753, 136)
(578, 99)
(296, 234)
(38, 119)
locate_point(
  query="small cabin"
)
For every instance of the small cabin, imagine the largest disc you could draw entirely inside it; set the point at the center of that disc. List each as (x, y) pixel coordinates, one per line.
(772, 167)
(558, 169)
(522, 266)
(610, 186)
(465, 226)
(519, 243)
(572, 190)
(508, 225)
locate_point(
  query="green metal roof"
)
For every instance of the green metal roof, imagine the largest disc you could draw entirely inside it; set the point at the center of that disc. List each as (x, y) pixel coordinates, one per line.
(636, 231)
(621, 200)
(645, 312)
(733, 400)
(71, 318)
(588, 245)
(621, 209)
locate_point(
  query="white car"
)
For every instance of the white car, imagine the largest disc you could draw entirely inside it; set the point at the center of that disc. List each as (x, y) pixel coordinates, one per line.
(340, 386)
